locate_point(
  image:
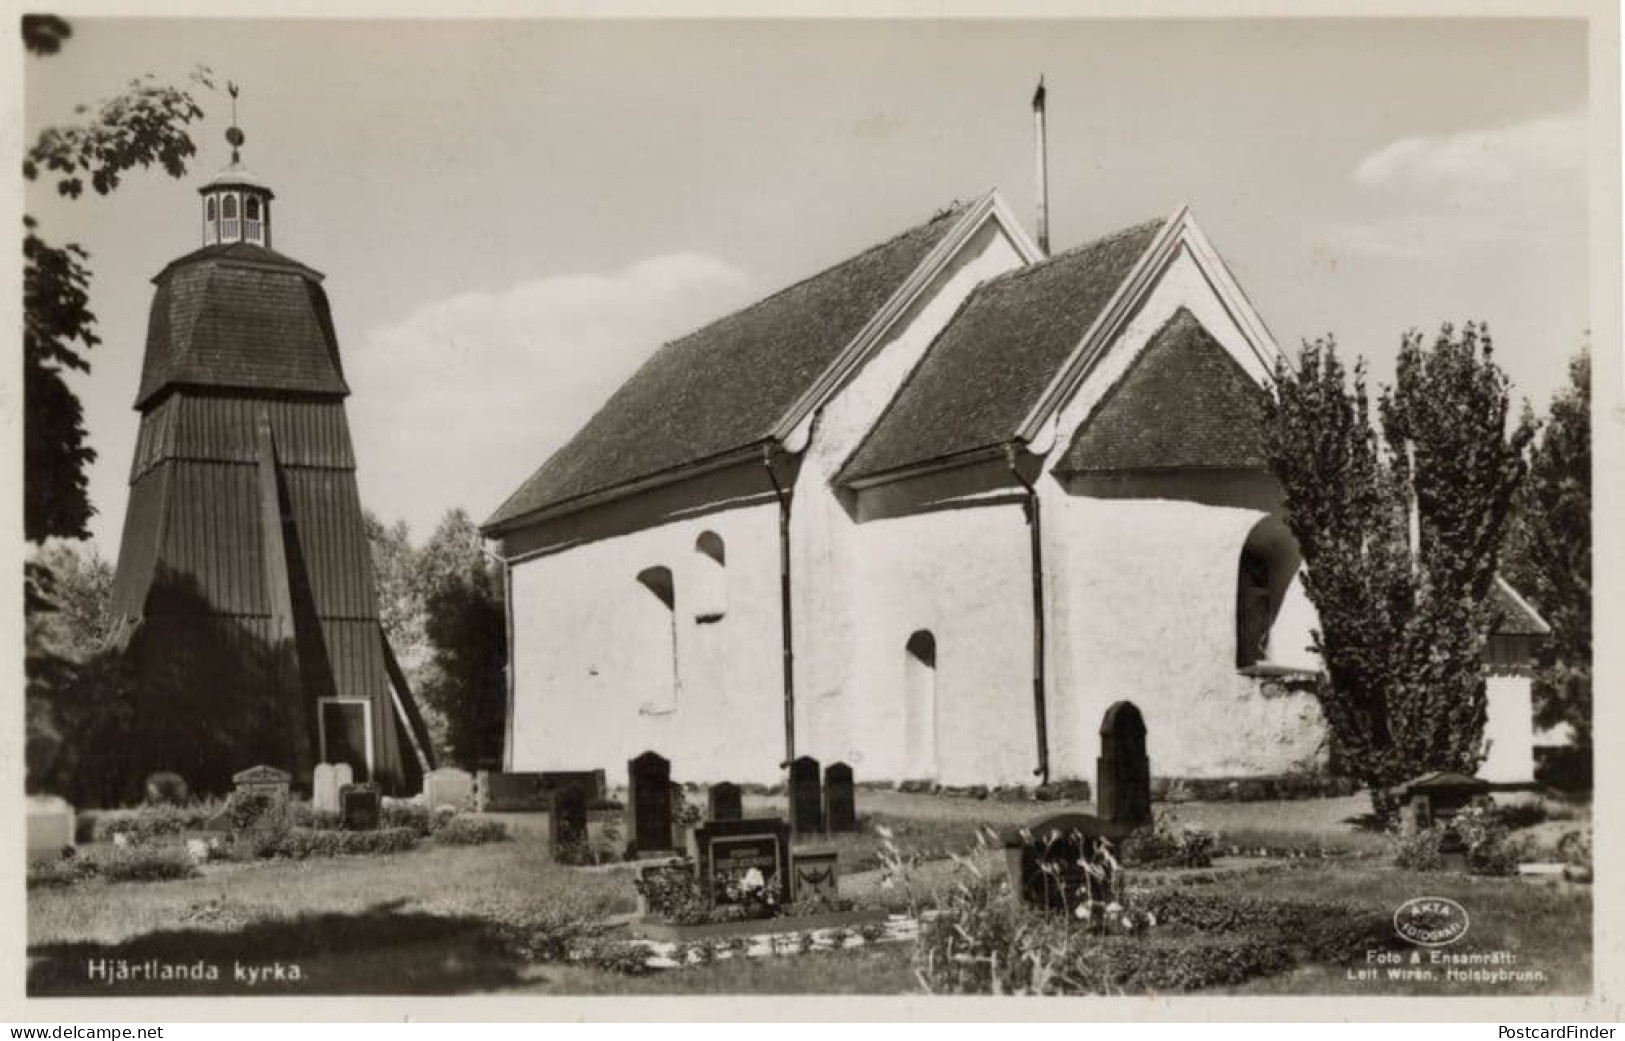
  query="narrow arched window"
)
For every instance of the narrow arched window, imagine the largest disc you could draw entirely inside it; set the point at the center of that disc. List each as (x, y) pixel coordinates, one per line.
(208, 208)
(653, 639)
(253, 226)
(251, 208)
(228, 207)
(230, 226)
(711, 578)
(920, 706)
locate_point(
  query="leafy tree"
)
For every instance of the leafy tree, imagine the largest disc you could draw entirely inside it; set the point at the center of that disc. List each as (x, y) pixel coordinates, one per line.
(1402, 627)
(1548, 553)
(467, 633)
(144, 125)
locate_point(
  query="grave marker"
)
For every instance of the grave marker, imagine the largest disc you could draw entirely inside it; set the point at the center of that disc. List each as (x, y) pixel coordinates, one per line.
(1123, 772)
(263, 780)
(724, 803)
(566, 818)
(649, 803)
(840, 799)
(816, 875)
(50, 826)
(448, 786)
(361, 806)
(590, 781)
(806, 797)
(324, 789)
(728, 850)
(502, 792)
(343, 774)
(1050, 862)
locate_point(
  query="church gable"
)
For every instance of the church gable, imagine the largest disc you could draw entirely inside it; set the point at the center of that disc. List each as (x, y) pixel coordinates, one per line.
(1184, 403)
(988, 368)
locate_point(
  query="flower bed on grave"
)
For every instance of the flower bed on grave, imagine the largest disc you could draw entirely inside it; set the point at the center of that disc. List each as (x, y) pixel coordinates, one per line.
(680, 907)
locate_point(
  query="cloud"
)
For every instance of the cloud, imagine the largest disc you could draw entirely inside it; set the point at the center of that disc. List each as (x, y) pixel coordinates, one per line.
(457, 403)
(1475, 189)
(1522, 155)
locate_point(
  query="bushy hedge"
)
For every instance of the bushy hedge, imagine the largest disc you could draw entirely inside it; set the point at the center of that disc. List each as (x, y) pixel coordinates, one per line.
(60, 871)
(1180, 965)
(469, 831)
(300, 843)
(154, 821)
(146, 863)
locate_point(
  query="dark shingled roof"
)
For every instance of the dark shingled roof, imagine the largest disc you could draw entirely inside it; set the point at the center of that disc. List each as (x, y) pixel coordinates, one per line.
(243, 317)
(1185, 402)
(727, 385)
(989, 366)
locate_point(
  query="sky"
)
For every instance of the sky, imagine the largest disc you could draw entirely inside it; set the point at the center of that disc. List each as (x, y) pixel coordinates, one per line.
(513, 215)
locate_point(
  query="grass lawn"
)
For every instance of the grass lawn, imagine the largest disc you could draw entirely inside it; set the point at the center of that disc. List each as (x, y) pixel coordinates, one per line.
(424, 922)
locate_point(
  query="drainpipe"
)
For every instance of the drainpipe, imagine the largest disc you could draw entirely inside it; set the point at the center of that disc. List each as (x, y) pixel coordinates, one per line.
(785, 639)
(1035, 534)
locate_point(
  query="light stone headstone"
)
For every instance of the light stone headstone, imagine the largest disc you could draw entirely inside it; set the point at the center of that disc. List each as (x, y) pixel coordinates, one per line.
(343, 774)
(324, 789)
(448, 786)
(50, 826)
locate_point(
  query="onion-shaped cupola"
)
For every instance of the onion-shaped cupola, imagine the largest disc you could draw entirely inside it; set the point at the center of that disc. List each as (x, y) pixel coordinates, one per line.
(236, 204)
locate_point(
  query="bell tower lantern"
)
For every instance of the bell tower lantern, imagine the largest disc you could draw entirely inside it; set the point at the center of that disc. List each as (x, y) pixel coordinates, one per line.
(236, 204)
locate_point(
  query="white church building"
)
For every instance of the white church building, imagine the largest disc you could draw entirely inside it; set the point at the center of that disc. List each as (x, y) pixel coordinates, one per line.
(930, 512)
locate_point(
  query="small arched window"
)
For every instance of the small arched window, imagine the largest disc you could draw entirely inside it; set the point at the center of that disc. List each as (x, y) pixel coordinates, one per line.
(656, 637)
(228, 207)
(711, 579)
(208, 208)
(920, 706)
(251, 208)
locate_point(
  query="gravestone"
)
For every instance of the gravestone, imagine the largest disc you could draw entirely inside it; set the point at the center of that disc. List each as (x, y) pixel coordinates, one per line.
(1438, 798)
(649, 803)
(816, 877)
(1123, 772)
(566, 818)
(590, 781)
(361, 806)
(263, 780)
(840, 800)
(724, 803)
(668, 874)
(324, 789)
(1057, 862)
(502, 792)
(343, 774)
(50, 826)
(448, 786)
(726, 851)
(806, 797)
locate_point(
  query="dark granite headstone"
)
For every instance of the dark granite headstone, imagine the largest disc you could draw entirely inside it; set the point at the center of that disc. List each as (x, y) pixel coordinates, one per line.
(806, 797)
(566, 818)
(840, 801)
(501, 792)
(727, 850)
(1123, 772)
(361, 807)
(589, 781)
(723, 802)
(649, 803)
(816, 874)
(1057, 862)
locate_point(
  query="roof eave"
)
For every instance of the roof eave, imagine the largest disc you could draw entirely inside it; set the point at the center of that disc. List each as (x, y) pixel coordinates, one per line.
(968, 457)
(497, 526)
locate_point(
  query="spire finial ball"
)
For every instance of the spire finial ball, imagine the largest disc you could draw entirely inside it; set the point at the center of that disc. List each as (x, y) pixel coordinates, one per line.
(234, 137)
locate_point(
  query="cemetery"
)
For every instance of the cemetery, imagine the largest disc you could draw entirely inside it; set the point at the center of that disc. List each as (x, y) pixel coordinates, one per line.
(559, 883)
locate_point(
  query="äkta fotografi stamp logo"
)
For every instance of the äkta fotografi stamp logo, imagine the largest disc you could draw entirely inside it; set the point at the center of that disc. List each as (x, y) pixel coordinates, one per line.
(1431, 921)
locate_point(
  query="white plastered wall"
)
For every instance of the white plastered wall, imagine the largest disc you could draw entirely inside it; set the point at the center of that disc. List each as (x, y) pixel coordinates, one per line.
(1143, 595)
(837, 564)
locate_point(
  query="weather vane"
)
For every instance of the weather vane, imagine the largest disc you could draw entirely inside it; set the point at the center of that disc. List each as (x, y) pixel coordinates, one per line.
(234, 136)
